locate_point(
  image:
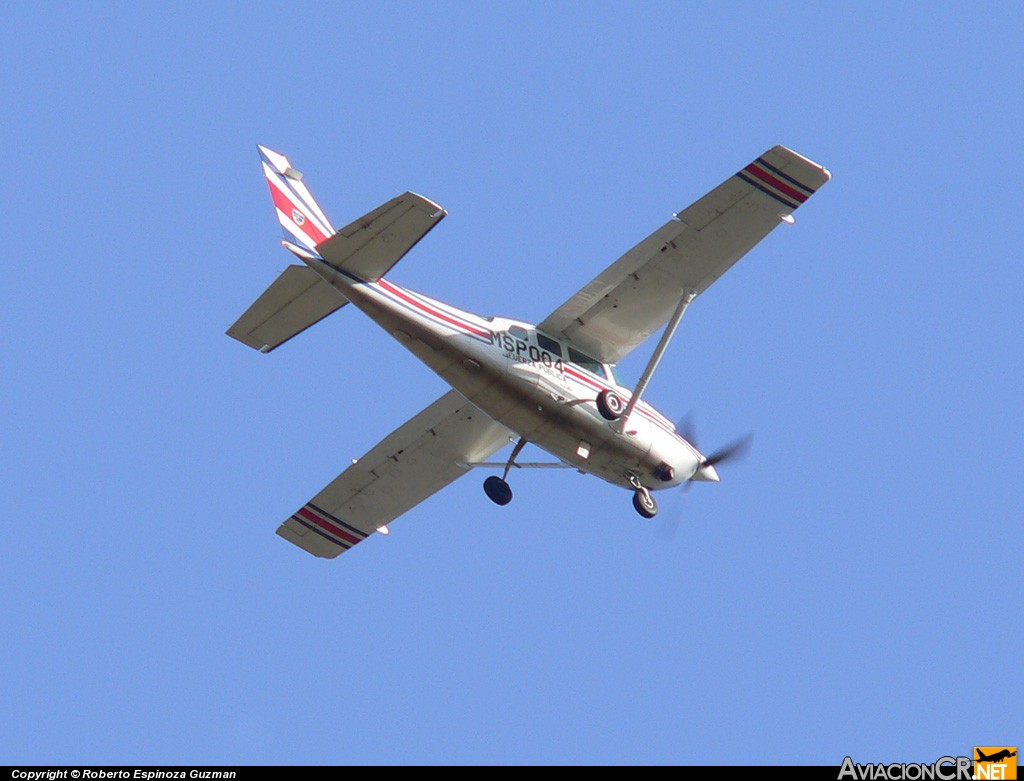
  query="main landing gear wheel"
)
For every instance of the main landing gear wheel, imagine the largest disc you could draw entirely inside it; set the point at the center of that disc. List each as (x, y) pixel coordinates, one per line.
(610, 405)
(644, 503)
(497, 490)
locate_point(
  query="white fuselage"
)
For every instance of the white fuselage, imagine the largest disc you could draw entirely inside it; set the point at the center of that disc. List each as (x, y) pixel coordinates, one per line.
(529, 382)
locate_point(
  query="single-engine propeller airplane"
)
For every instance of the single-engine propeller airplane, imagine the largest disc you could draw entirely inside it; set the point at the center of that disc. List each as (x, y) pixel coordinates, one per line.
(552, 384)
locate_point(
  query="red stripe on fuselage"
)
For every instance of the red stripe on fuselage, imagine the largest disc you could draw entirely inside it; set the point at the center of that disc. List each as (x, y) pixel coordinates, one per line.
(638, 408)
(778, 184)
(397, 291)
(583, 378)
(316, 519)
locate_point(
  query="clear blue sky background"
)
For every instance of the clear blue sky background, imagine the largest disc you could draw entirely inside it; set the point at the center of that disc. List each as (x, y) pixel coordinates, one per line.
(852, 588)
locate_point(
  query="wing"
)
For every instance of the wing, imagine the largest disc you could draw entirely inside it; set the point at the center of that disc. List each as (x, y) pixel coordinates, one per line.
(637, 294)
(412, 463)
(375, 242)
(297, 299)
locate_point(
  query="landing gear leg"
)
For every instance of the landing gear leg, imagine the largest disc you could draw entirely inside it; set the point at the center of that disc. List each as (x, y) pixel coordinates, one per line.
(643, 502)
(496, 488)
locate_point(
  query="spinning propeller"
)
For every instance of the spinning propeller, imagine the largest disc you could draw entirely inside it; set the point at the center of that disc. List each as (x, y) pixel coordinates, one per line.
(735, 450)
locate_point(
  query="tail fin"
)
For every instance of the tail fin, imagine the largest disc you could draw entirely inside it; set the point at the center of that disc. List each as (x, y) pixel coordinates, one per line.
(304, 222)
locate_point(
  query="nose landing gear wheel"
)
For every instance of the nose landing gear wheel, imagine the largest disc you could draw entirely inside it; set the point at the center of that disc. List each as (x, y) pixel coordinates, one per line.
(610, 405)
(644, 503)
(497, 490)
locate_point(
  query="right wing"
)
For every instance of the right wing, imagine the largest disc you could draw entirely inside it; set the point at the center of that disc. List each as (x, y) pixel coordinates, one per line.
(637, 294)
(411, 464)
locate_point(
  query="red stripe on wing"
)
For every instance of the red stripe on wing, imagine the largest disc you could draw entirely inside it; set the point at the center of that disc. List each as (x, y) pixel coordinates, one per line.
(316, 519)
(754, 170)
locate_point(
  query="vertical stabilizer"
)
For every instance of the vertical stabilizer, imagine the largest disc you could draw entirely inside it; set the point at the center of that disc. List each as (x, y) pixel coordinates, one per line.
(303, 221)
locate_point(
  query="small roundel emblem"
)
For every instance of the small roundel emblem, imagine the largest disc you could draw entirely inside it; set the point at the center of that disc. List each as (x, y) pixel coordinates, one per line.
(298, 216)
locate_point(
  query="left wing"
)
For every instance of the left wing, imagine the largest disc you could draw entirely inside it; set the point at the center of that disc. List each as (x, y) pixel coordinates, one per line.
(412, 463)
(637, 294)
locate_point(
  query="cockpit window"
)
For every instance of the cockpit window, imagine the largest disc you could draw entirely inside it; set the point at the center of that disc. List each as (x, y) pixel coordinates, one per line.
(549, 344)
(586, 362)
(518, 332)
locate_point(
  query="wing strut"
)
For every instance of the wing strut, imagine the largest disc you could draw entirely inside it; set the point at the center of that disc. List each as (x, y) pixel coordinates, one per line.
(688, 295)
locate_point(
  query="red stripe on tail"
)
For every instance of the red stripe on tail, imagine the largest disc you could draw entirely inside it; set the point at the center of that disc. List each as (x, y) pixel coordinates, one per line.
(288, 207)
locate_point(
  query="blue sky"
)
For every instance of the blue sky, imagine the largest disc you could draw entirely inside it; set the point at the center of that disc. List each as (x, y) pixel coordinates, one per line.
(851, 588)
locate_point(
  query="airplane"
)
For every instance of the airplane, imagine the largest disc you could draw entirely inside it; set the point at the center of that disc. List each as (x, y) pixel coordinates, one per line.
(999, 756)
(553, 384)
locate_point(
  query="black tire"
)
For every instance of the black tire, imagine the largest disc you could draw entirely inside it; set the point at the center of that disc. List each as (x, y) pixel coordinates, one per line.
(644, 504)
(497, 490)
(610, 405)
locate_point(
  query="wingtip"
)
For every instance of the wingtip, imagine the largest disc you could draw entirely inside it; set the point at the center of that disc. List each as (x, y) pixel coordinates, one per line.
(806, 160)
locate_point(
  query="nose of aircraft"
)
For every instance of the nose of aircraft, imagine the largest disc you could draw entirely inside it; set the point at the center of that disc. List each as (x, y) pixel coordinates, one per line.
(707, 473)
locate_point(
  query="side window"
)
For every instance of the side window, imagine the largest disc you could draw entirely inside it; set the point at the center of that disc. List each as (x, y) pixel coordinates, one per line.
(586, 362)
(549, 344)
(518, 332)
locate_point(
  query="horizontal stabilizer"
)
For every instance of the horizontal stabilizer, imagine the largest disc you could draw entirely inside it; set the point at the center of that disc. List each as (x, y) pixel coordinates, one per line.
(375, 242)
(297, 299)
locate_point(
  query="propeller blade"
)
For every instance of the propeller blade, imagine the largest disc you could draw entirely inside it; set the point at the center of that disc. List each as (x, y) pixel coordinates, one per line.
(687, 429)
(733, 450)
